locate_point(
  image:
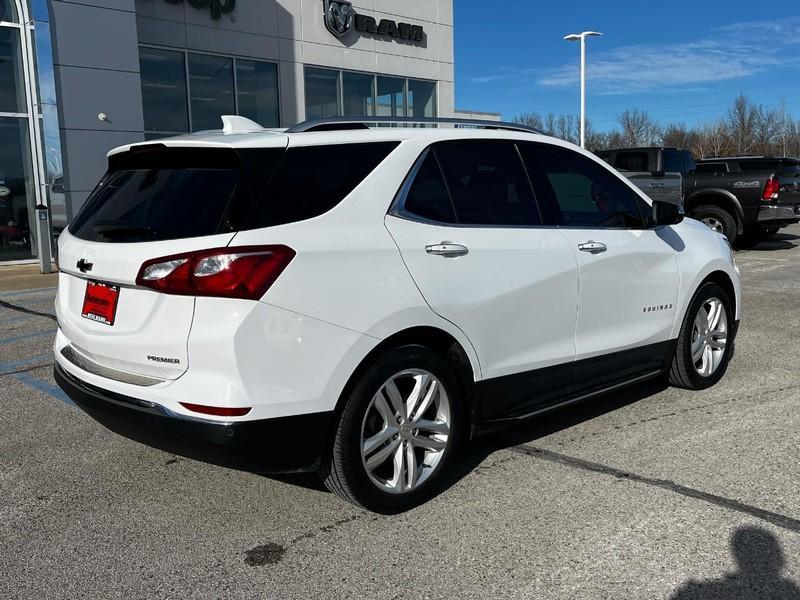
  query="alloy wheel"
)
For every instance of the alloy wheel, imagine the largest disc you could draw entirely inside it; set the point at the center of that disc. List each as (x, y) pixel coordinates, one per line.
(709, 337)
(405, 431)
(713, 223)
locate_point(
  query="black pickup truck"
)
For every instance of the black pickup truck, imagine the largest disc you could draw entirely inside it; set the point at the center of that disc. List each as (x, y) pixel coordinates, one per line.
(746, 203)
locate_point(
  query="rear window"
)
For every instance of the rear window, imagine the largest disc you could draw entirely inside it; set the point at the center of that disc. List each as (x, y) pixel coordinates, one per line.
(711, 168)
(631, 161)
(155, 193)
(759, 165)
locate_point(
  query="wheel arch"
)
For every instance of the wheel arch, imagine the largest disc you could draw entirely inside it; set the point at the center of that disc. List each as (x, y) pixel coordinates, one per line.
(720, 198)
(434, 338)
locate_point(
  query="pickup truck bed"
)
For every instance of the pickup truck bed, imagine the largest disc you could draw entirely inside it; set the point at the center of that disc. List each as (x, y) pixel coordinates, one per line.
(745, 201)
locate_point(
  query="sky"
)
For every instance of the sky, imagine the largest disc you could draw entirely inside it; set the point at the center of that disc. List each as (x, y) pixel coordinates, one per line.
(679, 61)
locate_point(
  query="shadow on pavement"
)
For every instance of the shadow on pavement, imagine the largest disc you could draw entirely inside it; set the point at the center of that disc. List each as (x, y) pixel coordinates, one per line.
(780, 241)
(759, 561)
(472, 454)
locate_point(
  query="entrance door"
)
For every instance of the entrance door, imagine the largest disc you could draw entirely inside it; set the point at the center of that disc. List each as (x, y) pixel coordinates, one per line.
(17, 187)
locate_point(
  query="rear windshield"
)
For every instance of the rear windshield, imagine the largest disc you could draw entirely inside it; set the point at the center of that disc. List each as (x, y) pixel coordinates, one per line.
(155, 193)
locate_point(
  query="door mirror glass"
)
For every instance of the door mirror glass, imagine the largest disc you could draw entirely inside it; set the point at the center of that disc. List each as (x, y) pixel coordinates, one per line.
(667, 213)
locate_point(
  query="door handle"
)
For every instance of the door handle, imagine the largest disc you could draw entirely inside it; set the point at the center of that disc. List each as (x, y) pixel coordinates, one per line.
(447, 249)
(592, 247)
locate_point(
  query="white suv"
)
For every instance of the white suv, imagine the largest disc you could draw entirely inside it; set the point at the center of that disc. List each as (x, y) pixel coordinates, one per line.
(358, 300)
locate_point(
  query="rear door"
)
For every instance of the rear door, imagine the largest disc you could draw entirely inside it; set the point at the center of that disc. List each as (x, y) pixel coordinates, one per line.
(471, 235)
(155, 201)
(627, 271)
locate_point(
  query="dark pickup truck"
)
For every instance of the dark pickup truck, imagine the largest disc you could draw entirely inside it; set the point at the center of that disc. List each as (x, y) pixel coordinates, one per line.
(747, 203)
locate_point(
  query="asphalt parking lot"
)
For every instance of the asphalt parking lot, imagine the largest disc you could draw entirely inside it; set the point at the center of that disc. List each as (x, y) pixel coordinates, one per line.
(647, 493)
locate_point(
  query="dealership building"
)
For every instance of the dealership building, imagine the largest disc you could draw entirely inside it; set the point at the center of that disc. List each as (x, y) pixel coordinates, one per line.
(79, 77)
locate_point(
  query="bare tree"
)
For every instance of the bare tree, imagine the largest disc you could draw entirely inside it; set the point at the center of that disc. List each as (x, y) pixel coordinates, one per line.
(530, 119)
(677, 134)
(745, 128)
(741, 123)
(638, 129)
(765, 130)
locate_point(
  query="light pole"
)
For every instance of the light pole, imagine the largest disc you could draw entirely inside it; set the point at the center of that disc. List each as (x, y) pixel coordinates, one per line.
(574, 37)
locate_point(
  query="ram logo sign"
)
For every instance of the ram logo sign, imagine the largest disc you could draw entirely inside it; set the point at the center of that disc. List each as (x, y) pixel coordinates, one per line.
(341, 18)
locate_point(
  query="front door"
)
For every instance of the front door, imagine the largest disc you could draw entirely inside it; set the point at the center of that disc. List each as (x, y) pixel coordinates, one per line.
(627, 271)
(474, 244)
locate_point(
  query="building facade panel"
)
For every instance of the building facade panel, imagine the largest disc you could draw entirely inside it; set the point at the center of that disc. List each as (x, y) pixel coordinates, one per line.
(113, 72)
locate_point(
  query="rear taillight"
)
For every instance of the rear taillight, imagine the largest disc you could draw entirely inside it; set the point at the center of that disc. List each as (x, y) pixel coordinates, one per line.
(771, 189)
(244, 272)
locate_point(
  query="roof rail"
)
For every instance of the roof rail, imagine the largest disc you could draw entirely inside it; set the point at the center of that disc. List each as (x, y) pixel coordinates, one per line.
(344, 123)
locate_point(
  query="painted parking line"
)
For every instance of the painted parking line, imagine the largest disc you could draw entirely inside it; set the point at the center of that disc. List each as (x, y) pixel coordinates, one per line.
(8, 367)
(27, 336)
(28, 291)
(22, 318)
(44, 387)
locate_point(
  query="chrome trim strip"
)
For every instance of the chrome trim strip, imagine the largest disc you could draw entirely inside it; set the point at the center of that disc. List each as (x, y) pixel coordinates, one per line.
(81, 361)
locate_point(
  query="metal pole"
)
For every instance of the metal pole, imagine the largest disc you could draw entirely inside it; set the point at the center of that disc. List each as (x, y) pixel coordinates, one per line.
(583, 91)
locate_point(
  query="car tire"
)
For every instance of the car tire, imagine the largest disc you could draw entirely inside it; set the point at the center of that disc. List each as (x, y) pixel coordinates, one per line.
(404, 464)
(718, 219)
(699, 362)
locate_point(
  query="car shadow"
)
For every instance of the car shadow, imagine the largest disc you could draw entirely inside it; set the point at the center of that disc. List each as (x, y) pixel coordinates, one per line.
(474, 453)
(780, 241)
(760, 562)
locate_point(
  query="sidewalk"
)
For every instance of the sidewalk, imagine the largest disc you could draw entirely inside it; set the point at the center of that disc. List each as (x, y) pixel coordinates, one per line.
(23, 277)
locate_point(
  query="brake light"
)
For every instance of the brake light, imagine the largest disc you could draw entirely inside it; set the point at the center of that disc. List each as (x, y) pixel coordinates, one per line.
(771, 189)
(217, 411)
(243, 272)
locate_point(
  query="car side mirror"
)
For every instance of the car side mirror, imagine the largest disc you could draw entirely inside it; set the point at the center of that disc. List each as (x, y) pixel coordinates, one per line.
(667, 213)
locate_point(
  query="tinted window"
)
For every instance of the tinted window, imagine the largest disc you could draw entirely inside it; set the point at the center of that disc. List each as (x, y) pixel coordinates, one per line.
(673, 161)
(163, 75)
(790, 170)
(137, 202)
(759, 165)
(576, 191)
(427, 196)
(211, 85)
(711, 168)
(688, 160)
(312, 180)
(322, 93)
(257, 89)
(631, 161)
(487, 183)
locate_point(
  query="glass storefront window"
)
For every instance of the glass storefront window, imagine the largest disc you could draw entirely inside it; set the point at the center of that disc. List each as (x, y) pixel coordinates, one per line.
(12, 91)
(16, 190)
(322, 93)
(357, 94)
(391, 97)
(211, 87)
(257, 89)
(421, 98)
(163, 75)
(8, 12)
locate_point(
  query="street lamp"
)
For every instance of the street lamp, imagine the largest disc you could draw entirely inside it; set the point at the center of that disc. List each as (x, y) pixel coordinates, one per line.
(574, 37)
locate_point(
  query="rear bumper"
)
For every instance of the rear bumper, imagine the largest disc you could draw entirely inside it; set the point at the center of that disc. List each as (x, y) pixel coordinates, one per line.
(775, 215)
(279, 445)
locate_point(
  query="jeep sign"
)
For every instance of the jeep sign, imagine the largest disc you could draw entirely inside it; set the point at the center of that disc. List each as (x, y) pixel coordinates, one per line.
(217, 7)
